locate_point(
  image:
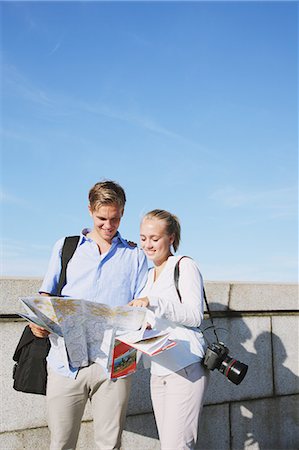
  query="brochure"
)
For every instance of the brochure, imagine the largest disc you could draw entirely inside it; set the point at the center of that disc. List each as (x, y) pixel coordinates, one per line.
(152, 343)
(124, 360)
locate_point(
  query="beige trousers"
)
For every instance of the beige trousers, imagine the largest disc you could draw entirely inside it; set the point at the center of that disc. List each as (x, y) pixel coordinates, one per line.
(177, 401)
(66, 400)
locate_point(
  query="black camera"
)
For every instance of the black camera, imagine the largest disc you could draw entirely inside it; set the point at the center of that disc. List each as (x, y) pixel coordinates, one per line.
(217, 357)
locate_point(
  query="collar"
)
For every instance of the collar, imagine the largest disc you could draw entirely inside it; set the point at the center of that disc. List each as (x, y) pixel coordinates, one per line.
(117, 238)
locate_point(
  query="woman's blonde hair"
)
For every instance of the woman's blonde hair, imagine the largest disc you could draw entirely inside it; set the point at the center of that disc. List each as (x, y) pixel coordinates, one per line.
(106, 193)
(172, 224)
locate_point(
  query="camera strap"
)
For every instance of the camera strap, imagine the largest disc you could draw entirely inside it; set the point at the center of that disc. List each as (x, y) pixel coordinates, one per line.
(176, 283)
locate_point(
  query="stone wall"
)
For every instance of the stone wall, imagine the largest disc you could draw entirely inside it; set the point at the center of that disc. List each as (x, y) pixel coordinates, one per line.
(260, 323)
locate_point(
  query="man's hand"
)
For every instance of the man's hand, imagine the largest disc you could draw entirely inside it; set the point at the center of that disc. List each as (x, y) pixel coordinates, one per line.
(143, 302)
(39, 331)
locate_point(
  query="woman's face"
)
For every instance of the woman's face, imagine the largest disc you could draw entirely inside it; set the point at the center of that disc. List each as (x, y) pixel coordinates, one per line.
(154, 240)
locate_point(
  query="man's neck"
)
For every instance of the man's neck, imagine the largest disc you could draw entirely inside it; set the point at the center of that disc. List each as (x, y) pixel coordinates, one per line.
(103, 245)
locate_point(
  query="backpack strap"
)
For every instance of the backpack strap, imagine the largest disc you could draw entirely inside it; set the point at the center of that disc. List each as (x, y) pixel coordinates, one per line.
(68, 249)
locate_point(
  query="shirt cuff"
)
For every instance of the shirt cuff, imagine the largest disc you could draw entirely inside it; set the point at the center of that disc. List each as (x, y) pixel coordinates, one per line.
(153, 302)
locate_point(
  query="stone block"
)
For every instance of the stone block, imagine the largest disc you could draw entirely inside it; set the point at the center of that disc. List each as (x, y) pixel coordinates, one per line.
(240, 340)
(13, 288)
(213, 432)
(39, 438)
(18, 410)
(140, 433)
(140, 398)
(214, 429)
(263, 297)
(217, 295)
(285, 340)
(268, 424)
(30, 439)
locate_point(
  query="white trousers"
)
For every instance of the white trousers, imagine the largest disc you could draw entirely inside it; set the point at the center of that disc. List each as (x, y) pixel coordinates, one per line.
(177, 401)
(66, 400)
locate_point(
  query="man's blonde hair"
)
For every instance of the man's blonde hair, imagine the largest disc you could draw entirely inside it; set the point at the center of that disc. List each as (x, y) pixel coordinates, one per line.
(106, 193)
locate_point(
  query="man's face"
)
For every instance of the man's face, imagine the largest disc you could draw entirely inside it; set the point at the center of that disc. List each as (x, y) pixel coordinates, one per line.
(106, 220)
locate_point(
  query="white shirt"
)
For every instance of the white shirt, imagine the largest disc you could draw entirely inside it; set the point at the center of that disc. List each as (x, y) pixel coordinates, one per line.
(181, 319)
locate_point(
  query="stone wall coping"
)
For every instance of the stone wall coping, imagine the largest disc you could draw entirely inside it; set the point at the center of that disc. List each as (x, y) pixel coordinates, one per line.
(221, 295)
(20, 277)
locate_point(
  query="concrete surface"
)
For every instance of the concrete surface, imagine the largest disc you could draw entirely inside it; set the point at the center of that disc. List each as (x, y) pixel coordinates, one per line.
(260, 413)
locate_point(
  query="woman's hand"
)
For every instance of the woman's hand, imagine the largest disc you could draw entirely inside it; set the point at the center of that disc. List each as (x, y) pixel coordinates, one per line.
(39, 331)
(143, 302)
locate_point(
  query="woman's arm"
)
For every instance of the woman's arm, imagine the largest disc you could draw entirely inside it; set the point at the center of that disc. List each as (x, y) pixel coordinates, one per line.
(189, 312)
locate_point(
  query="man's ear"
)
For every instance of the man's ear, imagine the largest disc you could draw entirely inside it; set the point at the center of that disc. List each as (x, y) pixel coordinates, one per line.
(90, 210)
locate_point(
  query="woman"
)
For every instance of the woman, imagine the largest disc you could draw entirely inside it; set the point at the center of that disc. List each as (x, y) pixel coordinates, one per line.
(178, 379)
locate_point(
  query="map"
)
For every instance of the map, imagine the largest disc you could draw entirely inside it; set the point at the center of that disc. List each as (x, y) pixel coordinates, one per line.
(88, 328)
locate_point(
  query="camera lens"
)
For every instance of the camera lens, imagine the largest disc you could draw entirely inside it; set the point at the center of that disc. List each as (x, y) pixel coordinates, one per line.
(234, 370)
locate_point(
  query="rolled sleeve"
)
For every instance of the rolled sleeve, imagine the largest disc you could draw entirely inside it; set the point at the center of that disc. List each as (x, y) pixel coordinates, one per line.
(142, 274)
(50, 281)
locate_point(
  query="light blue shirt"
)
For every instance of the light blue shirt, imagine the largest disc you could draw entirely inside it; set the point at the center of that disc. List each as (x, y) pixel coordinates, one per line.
(114, 278)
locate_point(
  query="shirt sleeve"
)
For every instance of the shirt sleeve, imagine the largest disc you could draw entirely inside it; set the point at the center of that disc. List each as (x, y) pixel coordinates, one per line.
(188, 312)
(142, 274)
(50, 282)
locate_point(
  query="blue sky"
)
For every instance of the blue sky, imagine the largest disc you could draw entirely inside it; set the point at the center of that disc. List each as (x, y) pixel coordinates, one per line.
(190, 106)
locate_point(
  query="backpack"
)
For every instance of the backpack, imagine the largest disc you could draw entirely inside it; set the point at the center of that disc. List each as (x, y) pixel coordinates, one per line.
(30, 369)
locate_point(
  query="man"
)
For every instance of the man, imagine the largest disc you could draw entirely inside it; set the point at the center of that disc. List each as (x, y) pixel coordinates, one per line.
(105, 268)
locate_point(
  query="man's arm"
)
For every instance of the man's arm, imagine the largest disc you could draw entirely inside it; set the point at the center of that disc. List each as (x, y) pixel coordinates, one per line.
(49, 283)
(51, 278)
(142, 274)
(39, 331)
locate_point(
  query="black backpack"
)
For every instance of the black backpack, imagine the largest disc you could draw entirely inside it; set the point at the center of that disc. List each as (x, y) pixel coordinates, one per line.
(30, 369)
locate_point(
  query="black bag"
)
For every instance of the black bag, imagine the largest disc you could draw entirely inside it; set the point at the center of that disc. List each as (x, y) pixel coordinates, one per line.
(30, 369)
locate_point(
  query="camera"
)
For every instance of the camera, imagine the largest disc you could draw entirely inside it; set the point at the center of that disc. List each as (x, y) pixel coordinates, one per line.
(217, 357)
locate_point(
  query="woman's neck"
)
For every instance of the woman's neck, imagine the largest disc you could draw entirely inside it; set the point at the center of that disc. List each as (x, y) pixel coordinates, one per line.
(159, 266)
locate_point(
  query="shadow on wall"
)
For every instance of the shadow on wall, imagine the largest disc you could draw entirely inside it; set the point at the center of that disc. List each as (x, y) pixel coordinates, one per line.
(274, 423)
(253, 423)
(270, 424)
